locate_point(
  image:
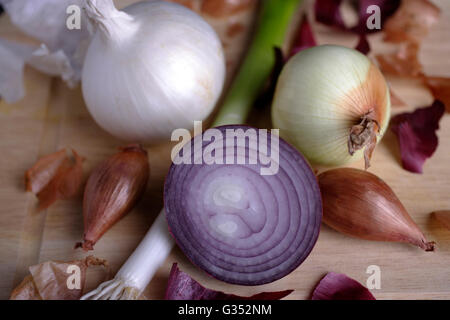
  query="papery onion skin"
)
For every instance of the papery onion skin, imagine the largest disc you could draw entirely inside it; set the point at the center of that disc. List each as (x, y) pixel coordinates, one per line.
(64, 184)
(48, 280)
(181, 286)
(359, 204)
(338, 286)
(43, 171)
(440, 88)
(443, 217)
(416, 134)
(150, 69)
(269, 230)
(112, 190)
(322, 93)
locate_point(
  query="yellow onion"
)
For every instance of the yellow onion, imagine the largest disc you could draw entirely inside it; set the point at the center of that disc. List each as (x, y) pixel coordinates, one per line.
(332, 103)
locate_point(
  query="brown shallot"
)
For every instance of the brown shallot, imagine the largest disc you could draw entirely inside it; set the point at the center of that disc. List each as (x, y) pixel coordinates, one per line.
(360, 204)
(112, 190)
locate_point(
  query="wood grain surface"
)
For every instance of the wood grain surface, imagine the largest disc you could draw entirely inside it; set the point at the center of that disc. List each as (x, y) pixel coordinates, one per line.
(52, 117)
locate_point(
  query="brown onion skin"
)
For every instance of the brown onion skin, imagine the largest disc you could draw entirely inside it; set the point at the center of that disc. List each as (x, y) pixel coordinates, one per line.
(112, 190)
(443, 217)
(43, 171)
(359, 204)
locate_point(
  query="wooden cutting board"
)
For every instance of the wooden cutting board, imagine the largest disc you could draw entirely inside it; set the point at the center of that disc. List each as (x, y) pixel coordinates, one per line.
(52, 117)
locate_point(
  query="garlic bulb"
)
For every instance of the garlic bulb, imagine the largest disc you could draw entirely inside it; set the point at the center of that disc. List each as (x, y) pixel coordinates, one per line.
(152, 68)
(332, 103)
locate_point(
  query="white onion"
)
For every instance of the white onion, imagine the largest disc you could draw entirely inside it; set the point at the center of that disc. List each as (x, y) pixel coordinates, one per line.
(150, 69)
(322, 94)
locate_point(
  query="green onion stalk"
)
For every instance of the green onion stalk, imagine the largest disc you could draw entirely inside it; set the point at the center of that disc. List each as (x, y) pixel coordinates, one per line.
(259, 62)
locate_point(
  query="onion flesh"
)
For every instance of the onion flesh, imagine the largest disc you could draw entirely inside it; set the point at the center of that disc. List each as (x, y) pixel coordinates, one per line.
(238, 225)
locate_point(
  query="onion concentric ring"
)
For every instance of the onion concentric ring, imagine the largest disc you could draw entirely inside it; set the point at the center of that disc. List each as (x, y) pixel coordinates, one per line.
(237, 225)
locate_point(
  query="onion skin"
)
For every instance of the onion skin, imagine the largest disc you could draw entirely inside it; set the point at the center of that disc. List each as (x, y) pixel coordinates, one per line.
(48, 280)
(360, 204)
(112, 190)
(181, 286)
(443, 217)
(65, 183)
(332, 103)
(43, 171)
(337, 286)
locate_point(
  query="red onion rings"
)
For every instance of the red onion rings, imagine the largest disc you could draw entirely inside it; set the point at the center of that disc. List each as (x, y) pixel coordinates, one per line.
(238, 225)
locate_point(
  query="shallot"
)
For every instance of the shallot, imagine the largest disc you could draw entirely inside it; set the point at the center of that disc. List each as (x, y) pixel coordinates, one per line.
(112, 190)
(360, 204)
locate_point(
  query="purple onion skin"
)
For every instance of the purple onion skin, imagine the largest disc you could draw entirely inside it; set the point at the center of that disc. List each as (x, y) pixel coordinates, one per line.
(239, 226)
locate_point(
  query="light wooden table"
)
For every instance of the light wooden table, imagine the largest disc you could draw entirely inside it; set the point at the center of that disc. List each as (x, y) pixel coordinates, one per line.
(52, 117)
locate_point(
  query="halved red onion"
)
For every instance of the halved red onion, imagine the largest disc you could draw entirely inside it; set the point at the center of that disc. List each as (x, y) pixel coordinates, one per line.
(234, 223)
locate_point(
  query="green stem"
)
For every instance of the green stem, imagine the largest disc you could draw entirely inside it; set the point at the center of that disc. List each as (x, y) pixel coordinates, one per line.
(259, 61)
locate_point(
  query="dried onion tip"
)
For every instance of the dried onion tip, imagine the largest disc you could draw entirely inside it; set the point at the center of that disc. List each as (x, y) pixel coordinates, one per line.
(360, 204)
(112, 190)
(233, 222)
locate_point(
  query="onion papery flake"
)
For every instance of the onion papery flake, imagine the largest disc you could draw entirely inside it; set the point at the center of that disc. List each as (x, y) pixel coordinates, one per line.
(55, 176)
(416, 133)
(50, 280)
(337, 286)
(443, 217)
(182, 287)
(329, 12)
